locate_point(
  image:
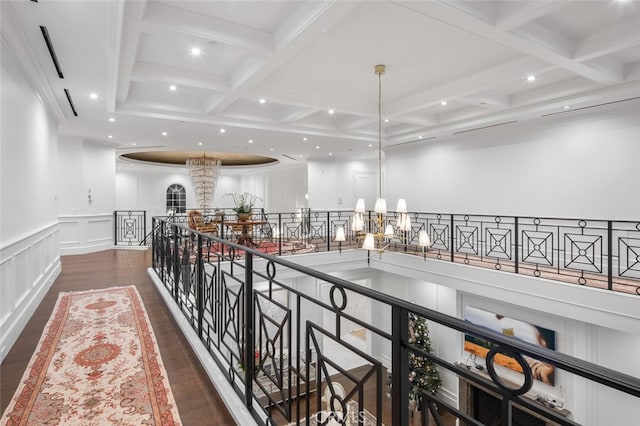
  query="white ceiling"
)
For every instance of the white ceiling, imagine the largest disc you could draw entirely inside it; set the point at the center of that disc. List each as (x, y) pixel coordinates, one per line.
(305, 57)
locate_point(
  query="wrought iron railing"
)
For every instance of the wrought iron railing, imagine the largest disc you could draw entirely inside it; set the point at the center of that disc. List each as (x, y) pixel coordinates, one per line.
(286, 335)
(594, 253)
(130, 227)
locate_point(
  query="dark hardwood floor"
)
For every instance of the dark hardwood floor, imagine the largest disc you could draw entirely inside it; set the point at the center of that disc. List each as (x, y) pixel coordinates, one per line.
(198, 401)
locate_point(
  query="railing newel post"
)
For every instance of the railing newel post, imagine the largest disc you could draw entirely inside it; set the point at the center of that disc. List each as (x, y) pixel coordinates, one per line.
(452, 238)
(279, 234)
(610, 254)
(200, 285)
(399, 366)
(517, 243)
(328, 231)
(249, 322)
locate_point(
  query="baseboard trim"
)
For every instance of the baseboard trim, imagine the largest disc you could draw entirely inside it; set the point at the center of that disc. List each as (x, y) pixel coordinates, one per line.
(84, 249)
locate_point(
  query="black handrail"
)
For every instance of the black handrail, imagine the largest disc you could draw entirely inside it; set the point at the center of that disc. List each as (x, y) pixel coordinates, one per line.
(229, 317)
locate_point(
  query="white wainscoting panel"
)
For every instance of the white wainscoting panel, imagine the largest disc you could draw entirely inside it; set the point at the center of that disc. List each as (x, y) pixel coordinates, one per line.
(28, 267)
(81, 234)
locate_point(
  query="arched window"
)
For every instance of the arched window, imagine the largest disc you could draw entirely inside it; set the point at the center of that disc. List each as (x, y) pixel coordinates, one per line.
(176, 199)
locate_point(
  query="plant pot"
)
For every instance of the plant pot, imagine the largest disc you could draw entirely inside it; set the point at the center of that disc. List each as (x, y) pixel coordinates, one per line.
(243, 217)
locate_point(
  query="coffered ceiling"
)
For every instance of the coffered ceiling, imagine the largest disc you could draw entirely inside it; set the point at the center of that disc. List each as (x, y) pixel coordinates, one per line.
(304, 58)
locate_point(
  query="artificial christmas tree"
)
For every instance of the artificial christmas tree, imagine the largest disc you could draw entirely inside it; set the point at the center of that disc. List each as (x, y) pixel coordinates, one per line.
(423, 373)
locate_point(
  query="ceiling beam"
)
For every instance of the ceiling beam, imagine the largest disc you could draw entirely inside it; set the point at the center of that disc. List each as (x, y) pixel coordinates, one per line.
(549, 92)
(515, 14)
(546, 37)
(302, 28)
(297, 114)
(145, 72)
(355, 122)
(132, 14)
(448, 13)
(115, 19)
(479, 82)
(162, 19)
(144, 111)
(614, 40)
(487, 99)
(601, 95)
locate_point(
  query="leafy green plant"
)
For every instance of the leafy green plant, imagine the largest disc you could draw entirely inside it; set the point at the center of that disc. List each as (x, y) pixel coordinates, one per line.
(243, 202)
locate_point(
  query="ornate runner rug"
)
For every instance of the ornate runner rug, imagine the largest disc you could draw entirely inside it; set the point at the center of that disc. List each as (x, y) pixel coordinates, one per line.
(97, 363)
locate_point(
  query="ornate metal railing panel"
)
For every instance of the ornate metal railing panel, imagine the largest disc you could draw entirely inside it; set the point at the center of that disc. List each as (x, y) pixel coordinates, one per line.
(130, 227)
(297, 349)
(592, 253)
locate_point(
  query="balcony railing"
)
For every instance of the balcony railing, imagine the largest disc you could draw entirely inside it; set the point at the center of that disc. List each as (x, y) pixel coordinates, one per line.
(284, 341)
(130, 227)
(594, 253)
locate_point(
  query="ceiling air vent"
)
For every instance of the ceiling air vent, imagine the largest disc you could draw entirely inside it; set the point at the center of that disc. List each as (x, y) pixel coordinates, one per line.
(485, 127)
(290, 157)
(73, 108)
(413, 141)
(52, 52)
(590, 106)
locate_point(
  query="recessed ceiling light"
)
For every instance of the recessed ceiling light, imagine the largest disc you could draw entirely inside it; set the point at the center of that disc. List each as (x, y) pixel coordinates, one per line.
(331, 153)
(304, 139)
(110, 136)
(223, 130)
(370, 145)
(111, 119)
(271, 149)
(331, 111)
(386, 120)
(443, 103)
(93, 95)
(531, 77)
(317, 146)
(300, 155)
(200, 143)
(263, 101)
(133, 143)
(195, 51)
(566, 107)
(419, 137)
(130, 165)
(164, 133)
(173, 88)
(250, 140)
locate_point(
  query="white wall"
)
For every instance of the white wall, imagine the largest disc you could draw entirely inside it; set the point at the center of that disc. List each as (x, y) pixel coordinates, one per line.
(29, 251)
(574, 165)
(331, 182)
(143, 187)
(286, 189)
(86, 199)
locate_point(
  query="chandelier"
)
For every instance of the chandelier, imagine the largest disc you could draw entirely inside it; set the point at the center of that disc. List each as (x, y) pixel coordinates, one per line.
(204, 173)
(381, 231)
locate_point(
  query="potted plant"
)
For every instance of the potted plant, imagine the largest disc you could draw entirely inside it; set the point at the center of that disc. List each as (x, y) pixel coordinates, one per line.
(243, 204)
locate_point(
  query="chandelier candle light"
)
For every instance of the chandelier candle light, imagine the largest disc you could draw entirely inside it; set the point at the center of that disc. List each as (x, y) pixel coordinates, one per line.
(379, 241)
